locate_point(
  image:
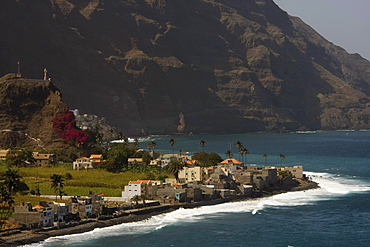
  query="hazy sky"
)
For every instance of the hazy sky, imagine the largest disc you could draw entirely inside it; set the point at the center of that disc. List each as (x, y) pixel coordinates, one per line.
(345, 23)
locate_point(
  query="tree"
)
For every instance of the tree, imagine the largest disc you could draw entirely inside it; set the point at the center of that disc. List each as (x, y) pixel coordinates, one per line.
(265, 156)
(7, 201)
(202, 143)
(12, 180)
(172, 143)
(64, 125)
(281, 157)
(207, 159)
(229, 154)
(241, 153)
(239, 146)
(152, 145)
(19, 158)
(57, 184)
(245, 151)
(61, 193)
(118, 158)
(136, 199)
(143, 198)
(174, 167)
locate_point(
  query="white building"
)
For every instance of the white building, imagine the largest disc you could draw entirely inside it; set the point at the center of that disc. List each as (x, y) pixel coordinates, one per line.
(83, 163)
(135, 188)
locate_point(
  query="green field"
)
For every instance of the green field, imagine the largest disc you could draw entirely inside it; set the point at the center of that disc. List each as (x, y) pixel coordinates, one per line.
(81, 183)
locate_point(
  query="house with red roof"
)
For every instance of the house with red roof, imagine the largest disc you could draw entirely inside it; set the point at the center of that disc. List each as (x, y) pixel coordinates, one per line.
(87, 163)
(82, 163)
(38, 215)
(96, 158)
(133, 188)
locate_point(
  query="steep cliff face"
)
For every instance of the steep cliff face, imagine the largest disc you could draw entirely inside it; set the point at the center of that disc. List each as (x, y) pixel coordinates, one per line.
(159, 66)
(27, 109)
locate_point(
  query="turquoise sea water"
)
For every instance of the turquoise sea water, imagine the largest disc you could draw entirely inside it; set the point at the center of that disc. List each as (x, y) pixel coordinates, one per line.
(337, 214)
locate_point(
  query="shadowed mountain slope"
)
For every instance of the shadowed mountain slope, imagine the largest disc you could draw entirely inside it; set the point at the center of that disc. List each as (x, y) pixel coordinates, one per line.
(160, 66)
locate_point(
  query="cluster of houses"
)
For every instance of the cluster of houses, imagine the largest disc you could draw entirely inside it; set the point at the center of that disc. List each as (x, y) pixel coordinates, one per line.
(162, 160)
(228, 178)
(39, 158)
(195, 183)
(49, 213)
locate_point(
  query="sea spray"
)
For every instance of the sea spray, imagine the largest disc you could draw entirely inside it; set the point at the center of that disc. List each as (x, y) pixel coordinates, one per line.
(331, 188)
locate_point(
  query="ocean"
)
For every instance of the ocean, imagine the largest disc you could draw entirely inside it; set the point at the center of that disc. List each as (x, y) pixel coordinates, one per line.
(336, 214)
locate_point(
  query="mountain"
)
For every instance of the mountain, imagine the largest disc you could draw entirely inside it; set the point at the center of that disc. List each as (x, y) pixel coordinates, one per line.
(160, 66)
(27, 110)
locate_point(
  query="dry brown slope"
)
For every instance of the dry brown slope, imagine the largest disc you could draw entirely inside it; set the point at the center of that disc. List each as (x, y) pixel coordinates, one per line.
(27, 109)
(230, 66)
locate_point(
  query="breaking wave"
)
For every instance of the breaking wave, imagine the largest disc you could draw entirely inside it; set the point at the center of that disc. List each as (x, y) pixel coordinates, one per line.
(331, 187)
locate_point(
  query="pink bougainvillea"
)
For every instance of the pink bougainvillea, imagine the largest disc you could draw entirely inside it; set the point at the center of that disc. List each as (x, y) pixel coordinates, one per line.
(64, 125)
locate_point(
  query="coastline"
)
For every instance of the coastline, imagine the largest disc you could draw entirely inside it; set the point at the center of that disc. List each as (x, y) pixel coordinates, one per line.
(29, 237)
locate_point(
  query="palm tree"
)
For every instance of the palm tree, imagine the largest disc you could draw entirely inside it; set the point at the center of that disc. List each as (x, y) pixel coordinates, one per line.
(281, 157)
(202, 143)
(57, 183)
(265, 156)
(175, 167)
(241, 152)
(229, 153)
(172, 142)
(245, 152)
(239, 146)
(151, 147)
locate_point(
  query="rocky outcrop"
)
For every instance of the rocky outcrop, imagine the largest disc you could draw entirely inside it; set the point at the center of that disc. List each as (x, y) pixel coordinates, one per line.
(223, 66)
(27, 109)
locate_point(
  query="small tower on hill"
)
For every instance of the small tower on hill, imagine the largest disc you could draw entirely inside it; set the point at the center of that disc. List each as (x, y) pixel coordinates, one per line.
(45, 74)
(19, 70)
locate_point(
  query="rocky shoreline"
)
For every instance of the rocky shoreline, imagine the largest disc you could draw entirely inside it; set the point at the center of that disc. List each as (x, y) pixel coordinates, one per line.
(19, 237)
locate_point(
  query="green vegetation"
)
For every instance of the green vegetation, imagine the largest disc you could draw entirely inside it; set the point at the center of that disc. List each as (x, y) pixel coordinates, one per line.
(284, 174)
(229, 153)
(19, 158)
(174, 167)
(207, 159)
(57, 184)
(81, 182)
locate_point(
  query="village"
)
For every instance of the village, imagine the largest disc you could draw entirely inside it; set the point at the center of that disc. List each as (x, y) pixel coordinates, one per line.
(194, 185)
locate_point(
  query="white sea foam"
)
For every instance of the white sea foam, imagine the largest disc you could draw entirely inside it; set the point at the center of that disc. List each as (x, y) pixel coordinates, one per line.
(331, 187)
(306, 132)
(142, 139)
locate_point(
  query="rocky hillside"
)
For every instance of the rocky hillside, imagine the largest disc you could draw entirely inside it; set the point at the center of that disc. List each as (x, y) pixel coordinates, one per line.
(161, 66)
(27, 109)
